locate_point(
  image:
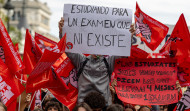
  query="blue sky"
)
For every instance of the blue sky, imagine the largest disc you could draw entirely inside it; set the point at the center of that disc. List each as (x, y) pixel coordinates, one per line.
(165, 11)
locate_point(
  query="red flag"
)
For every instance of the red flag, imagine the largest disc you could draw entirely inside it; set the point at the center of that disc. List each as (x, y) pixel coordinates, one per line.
(37, 99)
(62, 44)
(177, 46)
(32, 53)
(138, 53)
(19, 75)
(12, 106)
(44, 42)
(65, 69)
(41, 77)
(16, 47)
(8, 53)
(151, 31)
(10, 87)
(66, 97)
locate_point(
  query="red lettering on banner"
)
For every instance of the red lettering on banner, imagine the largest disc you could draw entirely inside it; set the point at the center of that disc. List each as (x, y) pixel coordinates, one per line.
(146, 81)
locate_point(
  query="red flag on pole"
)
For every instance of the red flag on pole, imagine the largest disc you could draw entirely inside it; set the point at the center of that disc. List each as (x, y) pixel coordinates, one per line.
(12, 106)
(62, 44)
(177, 46)
(151, 31)
(41, 77)
(32, 53)
(65, 69)
(44, 42)
(8, 53)
(10, 87)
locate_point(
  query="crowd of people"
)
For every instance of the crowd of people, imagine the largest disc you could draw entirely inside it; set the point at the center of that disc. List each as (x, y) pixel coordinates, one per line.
(96, 91)
(93, 101)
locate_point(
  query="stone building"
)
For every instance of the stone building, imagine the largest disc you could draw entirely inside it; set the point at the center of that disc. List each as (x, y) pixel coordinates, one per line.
(33, 15)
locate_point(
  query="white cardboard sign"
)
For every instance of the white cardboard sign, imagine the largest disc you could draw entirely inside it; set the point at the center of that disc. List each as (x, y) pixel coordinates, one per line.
(97, 29)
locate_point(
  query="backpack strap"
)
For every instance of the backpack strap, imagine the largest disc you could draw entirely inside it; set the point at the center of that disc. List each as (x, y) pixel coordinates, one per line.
(107, 66)
(84, 63)
(82, 67)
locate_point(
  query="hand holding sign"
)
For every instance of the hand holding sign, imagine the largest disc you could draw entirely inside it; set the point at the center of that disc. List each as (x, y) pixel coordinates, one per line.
(97, 29)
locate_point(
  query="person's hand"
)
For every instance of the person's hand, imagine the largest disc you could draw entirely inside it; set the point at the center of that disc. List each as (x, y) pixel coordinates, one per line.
(28, 99)
(114, 83)
(178, 87)
(112, 90)
(61, 24)
(132, 29)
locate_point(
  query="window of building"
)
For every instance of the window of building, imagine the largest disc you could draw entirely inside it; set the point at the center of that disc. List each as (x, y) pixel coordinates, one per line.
(13, 16)
(44, 20)
(18, 15)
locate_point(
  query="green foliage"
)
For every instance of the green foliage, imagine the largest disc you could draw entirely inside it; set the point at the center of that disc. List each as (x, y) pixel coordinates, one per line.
(2, 1)
(15, 34)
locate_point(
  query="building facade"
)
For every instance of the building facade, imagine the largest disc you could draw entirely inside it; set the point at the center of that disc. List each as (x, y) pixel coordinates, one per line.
(37, 15)
(33, 15)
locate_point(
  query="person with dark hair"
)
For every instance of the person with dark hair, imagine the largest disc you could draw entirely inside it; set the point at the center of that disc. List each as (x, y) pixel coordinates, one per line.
(52, 106)
(38, 109)
(82, 107)
(55, 100)
(95, 100)
(45, 102)
(2, 107)
(144, 108)
(129, 107)
(115, 107)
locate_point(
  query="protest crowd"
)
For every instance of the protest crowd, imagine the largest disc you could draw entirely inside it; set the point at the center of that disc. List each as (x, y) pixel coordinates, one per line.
(57, 79)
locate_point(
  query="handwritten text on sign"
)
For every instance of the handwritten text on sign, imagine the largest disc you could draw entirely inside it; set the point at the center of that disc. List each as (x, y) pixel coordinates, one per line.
(146, 81)
(97, 29)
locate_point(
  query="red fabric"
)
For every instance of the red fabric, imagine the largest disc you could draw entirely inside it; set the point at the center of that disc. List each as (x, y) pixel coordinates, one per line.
(151, 31)
(63, 66)
(8, 53)
(37, 99)
(12, 106)
(16, 47)
(10, 87)
(32, 53)
(62, 44)
(65, 69)
(178, 48)
(44, 42)
(19, 75)
(66, 97)
(138, 53)
(178, 43)
(43, 76)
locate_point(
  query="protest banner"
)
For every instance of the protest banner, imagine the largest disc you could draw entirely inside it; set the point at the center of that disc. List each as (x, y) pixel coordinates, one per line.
(97, 29)
(146, 81)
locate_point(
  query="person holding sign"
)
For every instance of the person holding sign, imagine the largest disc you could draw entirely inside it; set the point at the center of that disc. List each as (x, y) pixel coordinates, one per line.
(94, 71)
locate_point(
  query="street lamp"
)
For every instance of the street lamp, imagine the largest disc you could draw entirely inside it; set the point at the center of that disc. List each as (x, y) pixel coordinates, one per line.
(8, 6)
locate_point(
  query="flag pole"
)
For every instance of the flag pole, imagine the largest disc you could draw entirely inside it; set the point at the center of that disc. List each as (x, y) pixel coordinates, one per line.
(20, 95)
(31, 100)
(45, 96)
